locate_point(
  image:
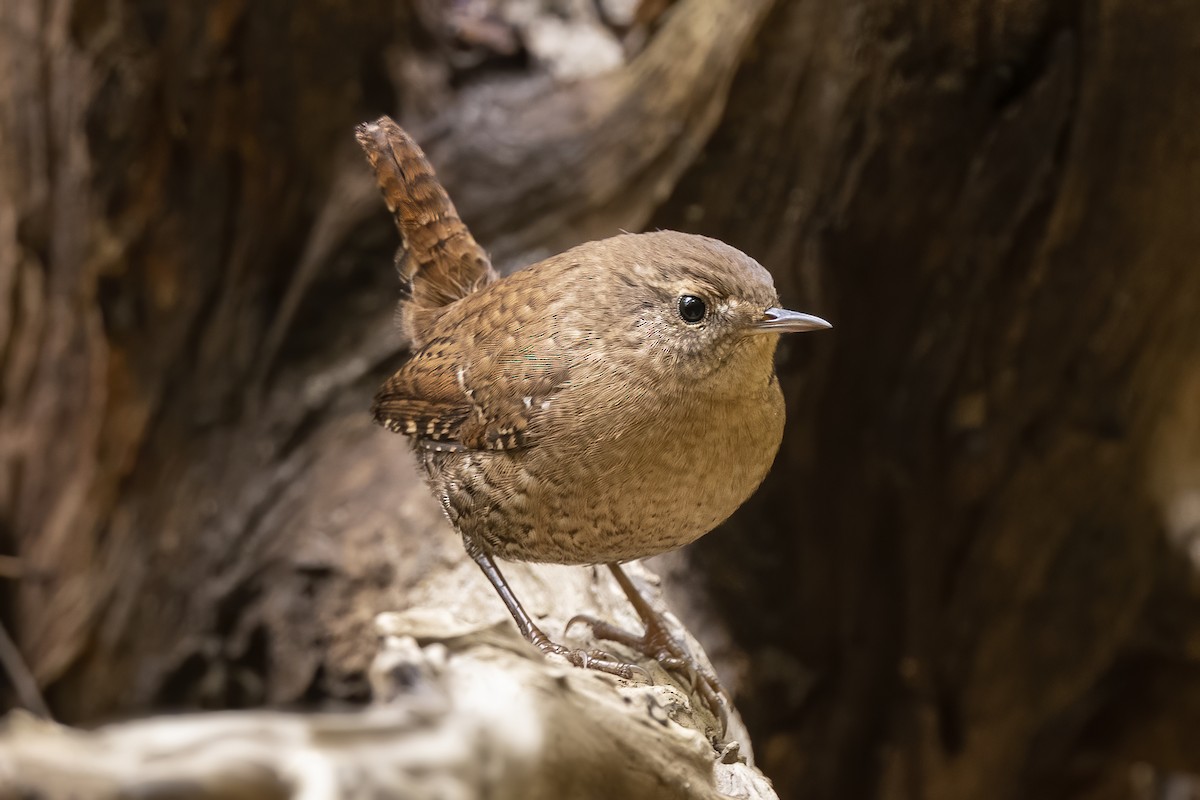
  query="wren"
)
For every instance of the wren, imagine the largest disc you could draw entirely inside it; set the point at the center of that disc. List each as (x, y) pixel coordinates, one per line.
(610, 403)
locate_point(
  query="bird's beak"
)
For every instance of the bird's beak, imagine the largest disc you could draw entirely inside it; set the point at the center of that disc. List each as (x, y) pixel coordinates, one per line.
(781, 320)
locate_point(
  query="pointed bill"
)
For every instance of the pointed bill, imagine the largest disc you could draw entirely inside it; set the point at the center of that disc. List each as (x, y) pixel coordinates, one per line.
(781, 320)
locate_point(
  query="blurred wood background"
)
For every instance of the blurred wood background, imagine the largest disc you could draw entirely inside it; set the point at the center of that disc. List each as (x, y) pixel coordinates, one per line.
(972, 572)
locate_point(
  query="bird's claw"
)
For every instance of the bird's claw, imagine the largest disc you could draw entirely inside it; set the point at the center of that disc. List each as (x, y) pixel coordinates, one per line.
(599, 660)
(658, 644)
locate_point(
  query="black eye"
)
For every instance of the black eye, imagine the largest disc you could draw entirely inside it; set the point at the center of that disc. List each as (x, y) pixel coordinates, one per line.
(691, 308)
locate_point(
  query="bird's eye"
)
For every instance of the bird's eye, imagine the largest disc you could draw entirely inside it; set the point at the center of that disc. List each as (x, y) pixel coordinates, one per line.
(691, 308)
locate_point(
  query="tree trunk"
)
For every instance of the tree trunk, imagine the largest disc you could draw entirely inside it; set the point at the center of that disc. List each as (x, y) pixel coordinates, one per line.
(971, 573)
(967, 538)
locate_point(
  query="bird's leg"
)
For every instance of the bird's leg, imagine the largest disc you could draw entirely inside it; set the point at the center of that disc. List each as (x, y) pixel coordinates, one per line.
(658, 643)
(588, 659)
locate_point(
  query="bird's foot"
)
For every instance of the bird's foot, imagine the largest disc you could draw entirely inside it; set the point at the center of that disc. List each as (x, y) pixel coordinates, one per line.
(598, 660)
(658, 643)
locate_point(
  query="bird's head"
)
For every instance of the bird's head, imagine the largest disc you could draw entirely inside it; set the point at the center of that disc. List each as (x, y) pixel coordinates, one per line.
(698, 307)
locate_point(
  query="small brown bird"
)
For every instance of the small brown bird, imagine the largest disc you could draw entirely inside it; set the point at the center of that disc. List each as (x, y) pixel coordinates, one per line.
(610, 403)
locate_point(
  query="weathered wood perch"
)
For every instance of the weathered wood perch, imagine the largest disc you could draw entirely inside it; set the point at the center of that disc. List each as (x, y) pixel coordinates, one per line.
(463, 708)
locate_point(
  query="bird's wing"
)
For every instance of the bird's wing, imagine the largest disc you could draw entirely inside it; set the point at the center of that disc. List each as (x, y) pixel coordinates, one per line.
(451, 396)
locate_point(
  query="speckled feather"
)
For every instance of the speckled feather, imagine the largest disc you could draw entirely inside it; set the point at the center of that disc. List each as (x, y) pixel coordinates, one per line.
(439, 260)
(559, 420)
(566, 413)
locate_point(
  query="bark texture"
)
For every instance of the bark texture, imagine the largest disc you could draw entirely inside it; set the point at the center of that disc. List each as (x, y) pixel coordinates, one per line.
(986, 563)
(462, 709)
(972, 572)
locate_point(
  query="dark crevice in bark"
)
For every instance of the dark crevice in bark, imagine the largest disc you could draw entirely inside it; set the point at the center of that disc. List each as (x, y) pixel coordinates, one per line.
(957, 581)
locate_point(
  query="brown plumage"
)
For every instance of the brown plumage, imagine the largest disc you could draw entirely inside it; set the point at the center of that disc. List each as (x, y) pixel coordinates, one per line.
(609, 403)
(439, 260)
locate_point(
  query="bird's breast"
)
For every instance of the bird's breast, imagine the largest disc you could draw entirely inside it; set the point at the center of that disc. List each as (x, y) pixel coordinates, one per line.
(630, 477)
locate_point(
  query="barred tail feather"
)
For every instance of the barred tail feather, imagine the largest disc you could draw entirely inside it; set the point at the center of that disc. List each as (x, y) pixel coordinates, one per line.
(440, 261)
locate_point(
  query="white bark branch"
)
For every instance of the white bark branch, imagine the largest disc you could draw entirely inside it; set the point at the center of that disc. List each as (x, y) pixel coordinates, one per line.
(462, 709)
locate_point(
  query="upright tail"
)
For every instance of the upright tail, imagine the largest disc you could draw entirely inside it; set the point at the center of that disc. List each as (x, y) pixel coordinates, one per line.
(439, 261)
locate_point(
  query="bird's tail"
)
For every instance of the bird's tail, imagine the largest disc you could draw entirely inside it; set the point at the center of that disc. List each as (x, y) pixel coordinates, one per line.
(439, 260)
